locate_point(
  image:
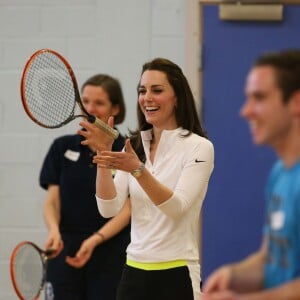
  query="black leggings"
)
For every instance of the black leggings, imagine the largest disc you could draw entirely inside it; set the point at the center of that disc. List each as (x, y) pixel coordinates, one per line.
(170, 284)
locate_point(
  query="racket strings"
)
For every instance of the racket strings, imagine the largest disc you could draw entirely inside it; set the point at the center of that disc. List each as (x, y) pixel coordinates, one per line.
(49, 90)
(28, 272)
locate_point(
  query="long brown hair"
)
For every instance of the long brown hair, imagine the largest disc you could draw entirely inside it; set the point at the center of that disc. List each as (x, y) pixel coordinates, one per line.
(185, 113)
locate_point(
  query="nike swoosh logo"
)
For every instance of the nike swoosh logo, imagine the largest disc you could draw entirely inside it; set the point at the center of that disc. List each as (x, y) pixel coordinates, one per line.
(197, 160)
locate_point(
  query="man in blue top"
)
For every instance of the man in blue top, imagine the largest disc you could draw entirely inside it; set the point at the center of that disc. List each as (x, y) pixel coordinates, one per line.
(272, 108)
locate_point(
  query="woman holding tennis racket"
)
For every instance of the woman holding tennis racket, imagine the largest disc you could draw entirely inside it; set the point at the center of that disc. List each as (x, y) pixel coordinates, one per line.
(82, 270)
(165, 169)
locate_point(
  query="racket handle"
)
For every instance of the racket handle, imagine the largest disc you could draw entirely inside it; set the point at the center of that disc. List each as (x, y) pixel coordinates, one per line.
(49, 252)
(103, 126)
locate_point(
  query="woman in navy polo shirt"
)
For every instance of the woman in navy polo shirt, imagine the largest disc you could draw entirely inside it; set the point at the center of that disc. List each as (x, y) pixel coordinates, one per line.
(80, 268)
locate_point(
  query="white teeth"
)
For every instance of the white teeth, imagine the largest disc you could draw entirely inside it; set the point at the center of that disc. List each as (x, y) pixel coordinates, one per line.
(151, 108)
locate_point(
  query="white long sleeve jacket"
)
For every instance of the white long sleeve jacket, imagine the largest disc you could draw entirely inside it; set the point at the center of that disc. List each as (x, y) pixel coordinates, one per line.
(169, 231)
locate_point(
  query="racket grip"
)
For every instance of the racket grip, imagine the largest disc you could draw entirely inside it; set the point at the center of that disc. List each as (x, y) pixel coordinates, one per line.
(103, 126)
(49, 252)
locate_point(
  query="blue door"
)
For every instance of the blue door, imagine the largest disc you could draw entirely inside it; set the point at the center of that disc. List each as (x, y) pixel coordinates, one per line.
(233, 211)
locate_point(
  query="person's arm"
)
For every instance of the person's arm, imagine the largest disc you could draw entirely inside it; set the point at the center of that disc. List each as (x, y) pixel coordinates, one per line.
(287, 291)
(243, 276)
(109, 230)
(105, 188)
(99, 140)
(51, 214)
(190, 186)
(248, 275)
(108, 201)
(244, 281)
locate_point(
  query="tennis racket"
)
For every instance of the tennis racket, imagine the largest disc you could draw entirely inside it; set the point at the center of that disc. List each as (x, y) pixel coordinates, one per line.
(49, 92)
(28, 267)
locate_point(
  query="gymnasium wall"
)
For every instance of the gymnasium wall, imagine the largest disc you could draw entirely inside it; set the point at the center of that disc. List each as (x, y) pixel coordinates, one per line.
(112, 36)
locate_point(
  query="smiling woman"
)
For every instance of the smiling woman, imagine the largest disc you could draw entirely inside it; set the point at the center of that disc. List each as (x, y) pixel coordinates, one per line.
(157, 100)
(165, 168)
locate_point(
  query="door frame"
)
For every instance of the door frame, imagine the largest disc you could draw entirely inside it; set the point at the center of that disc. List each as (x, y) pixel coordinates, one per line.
(193, 36)
(193, 39)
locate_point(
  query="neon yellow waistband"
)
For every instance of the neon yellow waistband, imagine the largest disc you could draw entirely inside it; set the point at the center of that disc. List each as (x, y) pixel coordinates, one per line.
(156, 266)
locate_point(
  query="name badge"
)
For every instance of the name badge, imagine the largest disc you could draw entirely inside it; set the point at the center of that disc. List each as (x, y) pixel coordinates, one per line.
(72, 155)
(277, 220)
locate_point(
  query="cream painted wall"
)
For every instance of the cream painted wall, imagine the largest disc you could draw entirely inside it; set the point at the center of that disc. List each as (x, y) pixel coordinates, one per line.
(112, 36)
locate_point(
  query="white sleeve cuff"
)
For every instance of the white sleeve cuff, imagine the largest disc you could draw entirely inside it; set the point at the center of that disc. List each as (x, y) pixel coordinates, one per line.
(108, 208)
(171, 207)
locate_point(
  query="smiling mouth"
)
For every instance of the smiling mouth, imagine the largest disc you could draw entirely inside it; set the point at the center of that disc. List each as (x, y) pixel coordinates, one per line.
(151, 108)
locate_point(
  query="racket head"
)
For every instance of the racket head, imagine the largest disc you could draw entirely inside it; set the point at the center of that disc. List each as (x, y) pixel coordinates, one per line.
(49, 90)
(28, 270)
